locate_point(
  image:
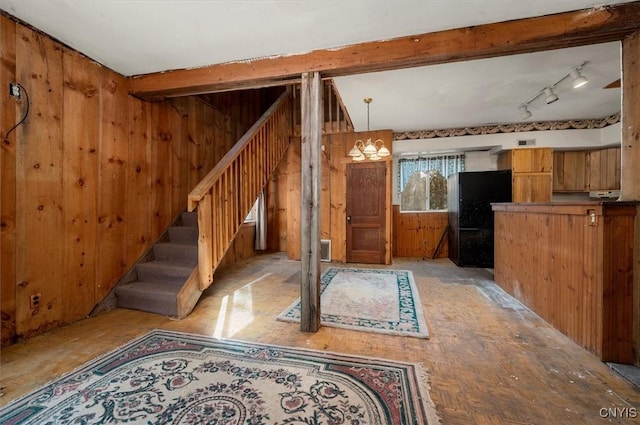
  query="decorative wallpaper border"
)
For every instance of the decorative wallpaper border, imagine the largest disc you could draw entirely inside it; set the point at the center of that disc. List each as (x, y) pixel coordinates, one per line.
(509, 128)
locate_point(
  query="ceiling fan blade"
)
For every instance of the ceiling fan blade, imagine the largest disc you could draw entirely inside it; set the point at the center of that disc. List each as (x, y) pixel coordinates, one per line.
(613, 85)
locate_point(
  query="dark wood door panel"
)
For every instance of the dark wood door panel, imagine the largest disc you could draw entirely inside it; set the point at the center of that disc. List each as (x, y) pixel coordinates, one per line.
(366, 185)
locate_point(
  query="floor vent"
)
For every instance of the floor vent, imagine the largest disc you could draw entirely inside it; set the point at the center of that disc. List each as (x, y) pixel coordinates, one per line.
(325, 250)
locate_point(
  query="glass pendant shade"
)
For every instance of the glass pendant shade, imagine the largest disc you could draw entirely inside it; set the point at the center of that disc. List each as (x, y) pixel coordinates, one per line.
(383, 151)
(354, 152)
(370, 148)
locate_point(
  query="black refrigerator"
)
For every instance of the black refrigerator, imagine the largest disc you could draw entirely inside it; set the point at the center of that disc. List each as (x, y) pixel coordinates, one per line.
(469, 198)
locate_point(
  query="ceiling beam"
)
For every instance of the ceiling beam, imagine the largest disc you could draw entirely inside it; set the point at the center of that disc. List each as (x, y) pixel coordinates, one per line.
(570, 29)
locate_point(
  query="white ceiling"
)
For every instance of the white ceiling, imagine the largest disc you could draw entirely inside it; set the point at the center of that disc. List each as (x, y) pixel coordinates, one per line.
(486, 91)
(143, 36)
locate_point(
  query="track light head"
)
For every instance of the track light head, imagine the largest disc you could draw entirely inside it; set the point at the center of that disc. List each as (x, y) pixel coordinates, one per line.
(524, 112)
(578, 79)
(551, 96)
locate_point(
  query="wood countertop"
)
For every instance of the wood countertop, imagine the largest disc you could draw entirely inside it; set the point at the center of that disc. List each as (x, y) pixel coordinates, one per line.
(598, 207)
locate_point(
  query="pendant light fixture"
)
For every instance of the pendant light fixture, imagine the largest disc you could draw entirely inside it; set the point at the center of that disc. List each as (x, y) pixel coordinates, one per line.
(368, 149)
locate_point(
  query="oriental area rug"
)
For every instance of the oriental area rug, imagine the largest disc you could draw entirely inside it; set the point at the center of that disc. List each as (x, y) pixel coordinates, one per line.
(371, 300)
(167, 377)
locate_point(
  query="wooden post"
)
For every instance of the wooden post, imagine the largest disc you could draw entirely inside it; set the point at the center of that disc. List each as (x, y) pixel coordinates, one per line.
(205, 242)
(630, 180)
(311, 98)
(630, 162)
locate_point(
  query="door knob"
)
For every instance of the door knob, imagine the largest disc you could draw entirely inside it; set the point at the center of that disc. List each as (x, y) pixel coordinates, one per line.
(349, 219)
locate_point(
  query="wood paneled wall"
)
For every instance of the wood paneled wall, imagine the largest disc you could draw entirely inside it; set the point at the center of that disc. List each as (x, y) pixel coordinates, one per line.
(284, 196)
(93, 176)
(418, 234)
(573, 266)
(242, 247)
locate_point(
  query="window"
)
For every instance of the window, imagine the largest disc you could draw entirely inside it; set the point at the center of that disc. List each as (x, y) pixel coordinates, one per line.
(422, 181)
(253, 214)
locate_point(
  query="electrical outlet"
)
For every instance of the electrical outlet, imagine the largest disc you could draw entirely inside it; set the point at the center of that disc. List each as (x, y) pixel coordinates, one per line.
(14, 90)
(34, 301)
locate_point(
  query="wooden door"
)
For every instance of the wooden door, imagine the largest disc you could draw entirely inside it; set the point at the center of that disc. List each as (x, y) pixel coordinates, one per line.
(366, 212)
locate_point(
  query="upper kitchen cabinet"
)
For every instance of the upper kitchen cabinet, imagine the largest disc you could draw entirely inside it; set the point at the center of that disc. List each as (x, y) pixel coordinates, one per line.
(604, 169)
(586, 170)
(570, 171)
(531, 173)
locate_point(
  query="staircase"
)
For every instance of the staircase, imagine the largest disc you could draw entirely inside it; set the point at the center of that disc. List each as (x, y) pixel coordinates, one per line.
(171, 278)
(156, 283)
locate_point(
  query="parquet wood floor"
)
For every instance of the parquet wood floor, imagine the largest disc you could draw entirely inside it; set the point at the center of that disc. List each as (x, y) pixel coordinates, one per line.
(490, 360)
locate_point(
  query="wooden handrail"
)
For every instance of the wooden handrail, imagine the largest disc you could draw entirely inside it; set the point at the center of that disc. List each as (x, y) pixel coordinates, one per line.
(227, 193)
(203, 187)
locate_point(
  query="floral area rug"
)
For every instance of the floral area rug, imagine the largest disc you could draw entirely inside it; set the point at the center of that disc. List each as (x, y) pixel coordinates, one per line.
(173, 378)
(372, 300)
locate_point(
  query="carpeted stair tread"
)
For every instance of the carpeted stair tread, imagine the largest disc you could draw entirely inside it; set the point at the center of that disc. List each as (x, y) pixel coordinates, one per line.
(190, 219)
(154, 297)
(178, 252)
(183, 234)
(164, 271)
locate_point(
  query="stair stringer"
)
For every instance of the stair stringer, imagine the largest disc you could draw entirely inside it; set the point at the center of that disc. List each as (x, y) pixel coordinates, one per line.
(189, 295)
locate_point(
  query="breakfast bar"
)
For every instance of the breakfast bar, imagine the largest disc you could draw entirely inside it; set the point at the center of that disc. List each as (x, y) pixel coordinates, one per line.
(572, 264)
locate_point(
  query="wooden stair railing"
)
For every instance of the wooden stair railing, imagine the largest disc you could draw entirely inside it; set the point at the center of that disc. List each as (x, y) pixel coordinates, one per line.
(336, 116)
(227, 193)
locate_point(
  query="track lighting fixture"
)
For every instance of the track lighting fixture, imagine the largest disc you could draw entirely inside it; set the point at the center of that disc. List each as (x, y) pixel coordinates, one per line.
(577, 80)
(524, 112)
(551, 96)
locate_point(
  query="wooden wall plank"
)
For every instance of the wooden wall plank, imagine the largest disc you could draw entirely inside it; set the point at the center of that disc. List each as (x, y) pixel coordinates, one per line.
(113, 157)
(242, 246)
(81, 98)
(160, 167)
(325, 196)
(278, 200)
(617, 289)
(210, 121)
(417, 234)
(337, 207)
(10, 113)
(293, 200)
(39, 185)
(138, 219)
(179, 155)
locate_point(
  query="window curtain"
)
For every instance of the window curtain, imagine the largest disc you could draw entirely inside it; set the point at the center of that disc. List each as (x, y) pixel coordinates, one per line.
(444, 164)
(261, 223)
